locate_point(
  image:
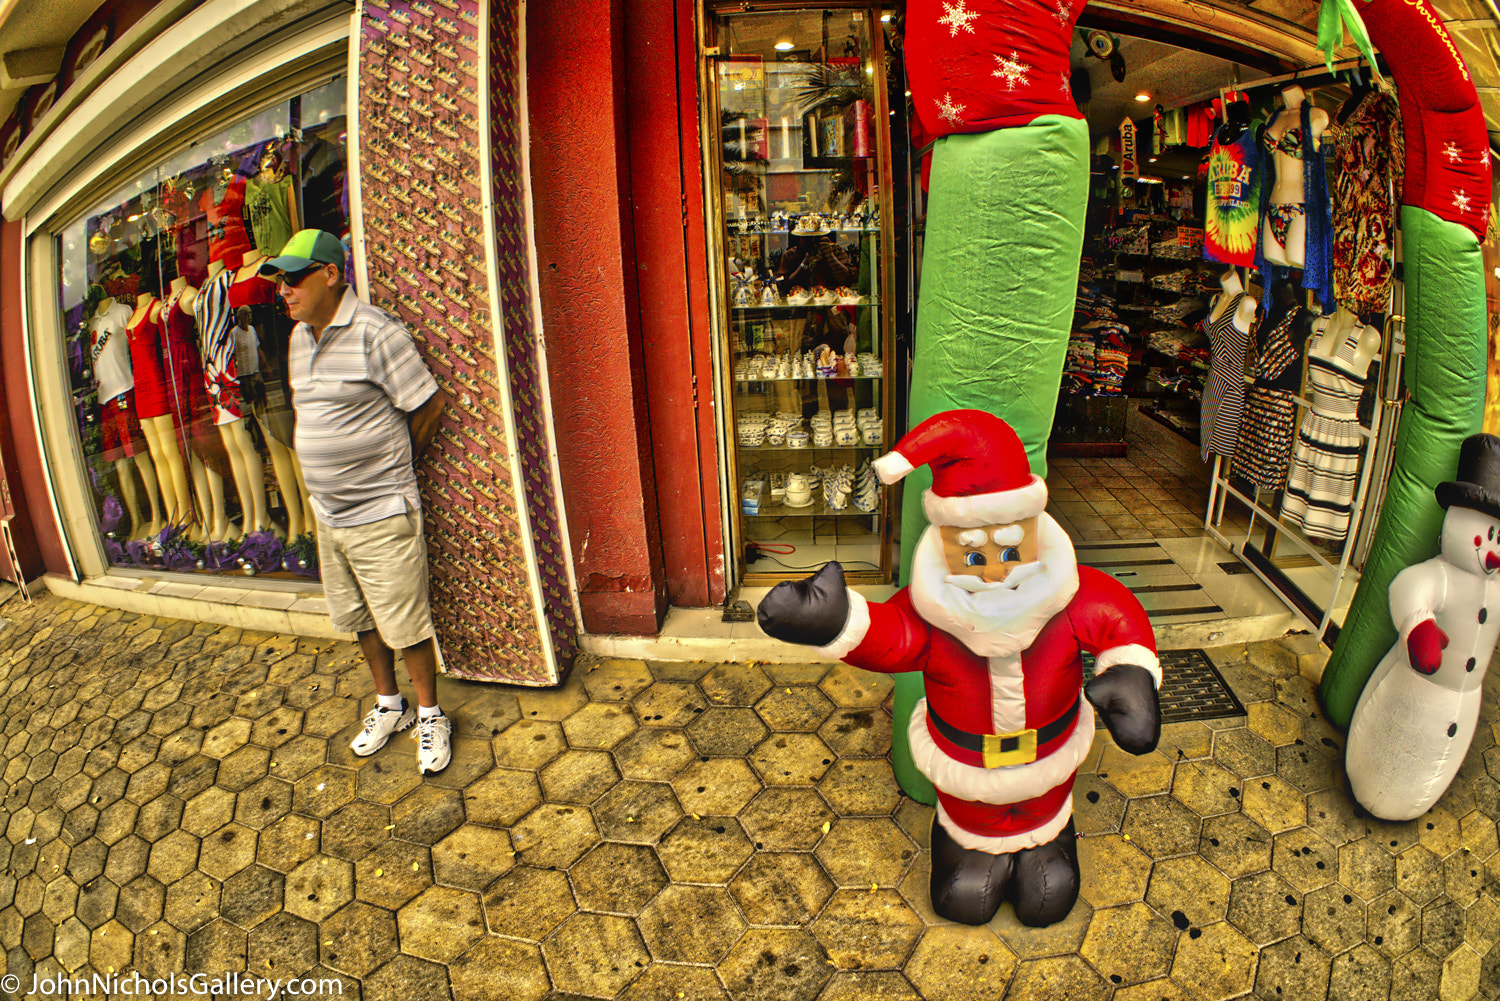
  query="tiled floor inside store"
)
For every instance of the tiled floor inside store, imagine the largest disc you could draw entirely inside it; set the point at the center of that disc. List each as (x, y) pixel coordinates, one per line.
(181, 797)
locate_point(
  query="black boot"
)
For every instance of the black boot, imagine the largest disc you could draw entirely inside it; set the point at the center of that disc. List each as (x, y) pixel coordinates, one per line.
(967, 885)
(1045, 885)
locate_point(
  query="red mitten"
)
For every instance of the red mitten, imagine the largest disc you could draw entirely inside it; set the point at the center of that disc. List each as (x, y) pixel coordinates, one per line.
(1425, 645)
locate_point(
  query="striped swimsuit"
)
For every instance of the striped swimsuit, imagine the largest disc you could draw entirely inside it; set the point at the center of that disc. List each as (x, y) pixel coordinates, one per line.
(1325, 460)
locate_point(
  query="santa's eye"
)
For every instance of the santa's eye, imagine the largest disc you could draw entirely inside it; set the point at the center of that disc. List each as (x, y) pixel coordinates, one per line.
(973, 559)
(1010, 554)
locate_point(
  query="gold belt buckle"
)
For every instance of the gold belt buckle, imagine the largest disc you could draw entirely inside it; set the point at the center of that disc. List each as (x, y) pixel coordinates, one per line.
(1002, 749)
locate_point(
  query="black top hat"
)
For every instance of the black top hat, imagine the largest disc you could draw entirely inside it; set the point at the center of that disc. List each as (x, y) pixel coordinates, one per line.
(1477, 484)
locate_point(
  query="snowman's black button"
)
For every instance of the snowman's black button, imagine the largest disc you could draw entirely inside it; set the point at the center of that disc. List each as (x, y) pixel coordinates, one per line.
(1452, 729)
(1470, 665)
(1484, 613)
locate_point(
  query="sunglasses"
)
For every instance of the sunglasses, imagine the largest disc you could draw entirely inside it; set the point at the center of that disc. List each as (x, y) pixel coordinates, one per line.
(292, 279)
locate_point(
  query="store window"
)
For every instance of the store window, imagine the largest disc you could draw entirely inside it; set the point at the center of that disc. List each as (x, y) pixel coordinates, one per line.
(176, 347)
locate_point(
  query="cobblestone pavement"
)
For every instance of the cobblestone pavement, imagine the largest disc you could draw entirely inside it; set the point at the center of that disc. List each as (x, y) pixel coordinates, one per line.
(181, 797)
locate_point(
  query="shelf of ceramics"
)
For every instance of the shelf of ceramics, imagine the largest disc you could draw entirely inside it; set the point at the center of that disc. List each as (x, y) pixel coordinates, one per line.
(814, 378)
(817, 509)
(751, 229)
(864, 300)
(810, 448)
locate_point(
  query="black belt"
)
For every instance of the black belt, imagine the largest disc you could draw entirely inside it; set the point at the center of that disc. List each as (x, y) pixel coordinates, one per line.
(1000, 749)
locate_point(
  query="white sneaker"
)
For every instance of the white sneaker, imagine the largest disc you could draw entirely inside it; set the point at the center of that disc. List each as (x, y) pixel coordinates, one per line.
(379, 726)
(433, 750)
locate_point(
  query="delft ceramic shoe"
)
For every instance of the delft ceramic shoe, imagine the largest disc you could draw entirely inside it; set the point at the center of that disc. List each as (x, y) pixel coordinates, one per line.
(798, 296)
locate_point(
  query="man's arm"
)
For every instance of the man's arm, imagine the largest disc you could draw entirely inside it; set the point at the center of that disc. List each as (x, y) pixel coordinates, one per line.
(423, 422)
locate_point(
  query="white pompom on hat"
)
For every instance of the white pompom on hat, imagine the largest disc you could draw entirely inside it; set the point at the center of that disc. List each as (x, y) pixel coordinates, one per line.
(980, 473)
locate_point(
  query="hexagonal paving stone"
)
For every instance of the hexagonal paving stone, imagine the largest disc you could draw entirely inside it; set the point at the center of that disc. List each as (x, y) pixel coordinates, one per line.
(786, 819)
(865, 928)
(1334, 918)
(1265, 907)
(263, 803)
(1207, 787)
(318, 887)
(690, 924)
(1129, 944)
(407, 977)
(116, 821)
(951, 959)
(112, 948)
(288, 842)
(654, 754)
(616, 680)
(735, 684)
(498, 968)
(1215, 962)
(1189, 891)
(704, 850)
(208, 811)
(1367, 868)
(858, 733)
(355, 830)
(501, 798)
(528, 903)
(1307, 768)
(472, 857)
(1442, 927)
(716, 786)
(1136, 775)
(528, 743)
(285, 946)
(1098, 807)
(1114, 871)
(1360, 973)
(552, 704)
(617, 878)
(1275, 804)
(1416, 975)
(554, 835)
(1057, 976)
(670, 981)
(252, 895)
(727, 732)
(803, 708)
(776, 964)
(393, 874)
(1161, 826)
(862, 852)
(781, 888)
(1394, 924)
(1244, 753)
(1479, 833)
(861, 787)
(850, 687)
(1274, 723)
(1305, 859)
(217, 946)
(1463, 877)
(441, 923)
(791, 759)
(298, 756)
(579, 777)
(1419, 875)
(60, 899)
(428, 815)
(594, 954)
(173, 857)
(96, 902)
(323, 790)
(668, 703)
(140, 903)
(386, 781)
(243, 768)
(1292, 968)
(599, 725)
(192, 902)
(323, 720)
(637, 812)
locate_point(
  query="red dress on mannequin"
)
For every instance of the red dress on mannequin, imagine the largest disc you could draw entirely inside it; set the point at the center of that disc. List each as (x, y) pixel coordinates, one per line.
(145, 362)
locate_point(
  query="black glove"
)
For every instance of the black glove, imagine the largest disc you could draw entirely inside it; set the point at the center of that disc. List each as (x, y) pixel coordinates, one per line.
(811, 611)
(1126, 698)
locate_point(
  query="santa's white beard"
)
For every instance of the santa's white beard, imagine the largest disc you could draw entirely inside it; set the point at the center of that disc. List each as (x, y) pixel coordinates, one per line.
(997, 620)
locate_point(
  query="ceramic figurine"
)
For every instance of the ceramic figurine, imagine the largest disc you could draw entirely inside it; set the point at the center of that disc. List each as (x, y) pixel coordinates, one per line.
(995, 617)
(1414, 721)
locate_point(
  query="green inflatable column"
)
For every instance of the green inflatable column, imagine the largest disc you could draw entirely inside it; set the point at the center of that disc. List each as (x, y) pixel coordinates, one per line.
(1005, 216)
(1445, 366)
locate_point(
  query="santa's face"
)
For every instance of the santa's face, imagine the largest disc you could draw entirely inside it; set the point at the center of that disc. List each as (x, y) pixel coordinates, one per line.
(989, 553)
(1471, 540)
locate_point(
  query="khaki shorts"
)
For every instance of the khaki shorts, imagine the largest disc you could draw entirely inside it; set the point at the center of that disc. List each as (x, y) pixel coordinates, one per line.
(375, 577)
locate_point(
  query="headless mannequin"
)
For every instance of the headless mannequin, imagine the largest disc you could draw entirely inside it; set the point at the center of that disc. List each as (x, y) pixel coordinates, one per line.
(1338, 329)
(244, 460)
(1244, 313)
(283, 459)
(207, 484)
(1289, 184)
(220, 528)
(161, 438)
(140, 528)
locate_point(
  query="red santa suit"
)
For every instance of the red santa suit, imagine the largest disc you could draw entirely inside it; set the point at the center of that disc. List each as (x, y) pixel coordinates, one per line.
(1002, 799)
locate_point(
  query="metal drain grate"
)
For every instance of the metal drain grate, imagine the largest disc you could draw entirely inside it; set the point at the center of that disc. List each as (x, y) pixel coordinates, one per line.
(1191, 687)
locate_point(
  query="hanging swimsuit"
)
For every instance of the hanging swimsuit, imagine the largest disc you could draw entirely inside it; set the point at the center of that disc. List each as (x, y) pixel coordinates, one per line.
(1281, 217)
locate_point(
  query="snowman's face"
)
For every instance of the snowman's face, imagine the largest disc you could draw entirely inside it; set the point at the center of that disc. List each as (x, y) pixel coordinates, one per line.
(1471, 540)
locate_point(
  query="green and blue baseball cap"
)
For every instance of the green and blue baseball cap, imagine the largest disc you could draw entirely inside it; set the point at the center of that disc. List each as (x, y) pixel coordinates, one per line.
(306, 248)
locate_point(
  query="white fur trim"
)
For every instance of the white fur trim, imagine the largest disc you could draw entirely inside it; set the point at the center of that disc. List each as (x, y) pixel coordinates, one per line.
(891, 467)
(1010, 843)
(1003, 507)
(1007, 693)
(855, 628)
(1011, 784)
(1130, 653)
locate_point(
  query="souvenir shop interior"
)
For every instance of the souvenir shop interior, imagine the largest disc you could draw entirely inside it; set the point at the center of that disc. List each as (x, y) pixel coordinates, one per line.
(1231, 349)
(176, 346)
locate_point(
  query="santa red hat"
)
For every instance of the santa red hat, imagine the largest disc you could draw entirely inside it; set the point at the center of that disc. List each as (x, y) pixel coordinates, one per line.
(980, 473)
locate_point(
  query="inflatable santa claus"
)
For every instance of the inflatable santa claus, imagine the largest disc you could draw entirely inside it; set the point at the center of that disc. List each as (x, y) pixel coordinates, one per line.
(996, 617)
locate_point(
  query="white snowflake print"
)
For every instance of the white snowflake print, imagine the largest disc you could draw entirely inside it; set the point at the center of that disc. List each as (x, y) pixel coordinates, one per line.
(1064, 13)
(1067, 88)
(1461, 200)
(956, 18)
(1484, 157)
(949, 110)
(1452, 152)
(1011, 70)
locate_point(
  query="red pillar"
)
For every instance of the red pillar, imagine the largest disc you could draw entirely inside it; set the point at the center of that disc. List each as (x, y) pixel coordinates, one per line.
(580, 176)
(38, 540)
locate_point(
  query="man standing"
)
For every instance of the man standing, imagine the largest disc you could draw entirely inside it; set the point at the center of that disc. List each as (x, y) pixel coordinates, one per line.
(366, 406)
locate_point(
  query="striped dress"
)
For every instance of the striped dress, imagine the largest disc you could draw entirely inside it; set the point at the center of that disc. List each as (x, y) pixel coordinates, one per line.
(1325, 460)
(1265, 442)
(220, 376)
(1224, 393)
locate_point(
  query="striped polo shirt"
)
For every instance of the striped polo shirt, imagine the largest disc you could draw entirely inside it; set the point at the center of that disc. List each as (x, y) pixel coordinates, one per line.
(352, 389)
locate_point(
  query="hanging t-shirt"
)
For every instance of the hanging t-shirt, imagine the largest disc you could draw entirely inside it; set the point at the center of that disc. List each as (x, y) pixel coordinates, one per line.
(268, 204)
(227, 237)
(110, 353)
(1232, 216)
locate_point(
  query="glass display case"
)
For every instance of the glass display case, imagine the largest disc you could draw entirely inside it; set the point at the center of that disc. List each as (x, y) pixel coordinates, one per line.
(803, 166)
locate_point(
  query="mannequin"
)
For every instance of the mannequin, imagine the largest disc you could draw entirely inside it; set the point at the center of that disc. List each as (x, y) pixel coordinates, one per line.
(271, 204)
(122, 436)
(217, 347)
(1284, 233)
(191, 403)
(1230, 320)
(224, 204)
(1324, 472)
(153, 409)
(250, 291)
(1265, 442)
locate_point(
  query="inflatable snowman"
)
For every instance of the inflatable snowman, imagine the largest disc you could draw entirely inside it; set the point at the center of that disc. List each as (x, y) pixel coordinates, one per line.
(1416, 717)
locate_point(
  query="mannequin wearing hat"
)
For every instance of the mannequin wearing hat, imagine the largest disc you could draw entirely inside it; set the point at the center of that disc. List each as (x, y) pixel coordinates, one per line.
(996, 618)
(1416, 716)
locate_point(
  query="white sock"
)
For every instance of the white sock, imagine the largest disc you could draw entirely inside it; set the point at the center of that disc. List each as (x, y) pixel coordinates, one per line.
(427, 712)
(389, 701)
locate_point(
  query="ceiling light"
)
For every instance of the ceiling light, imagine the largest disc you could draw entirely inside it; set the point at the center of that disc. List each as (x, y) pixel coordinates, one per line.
(1152, 160)
(885, 18)
(783, 46)
(1143, 96)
